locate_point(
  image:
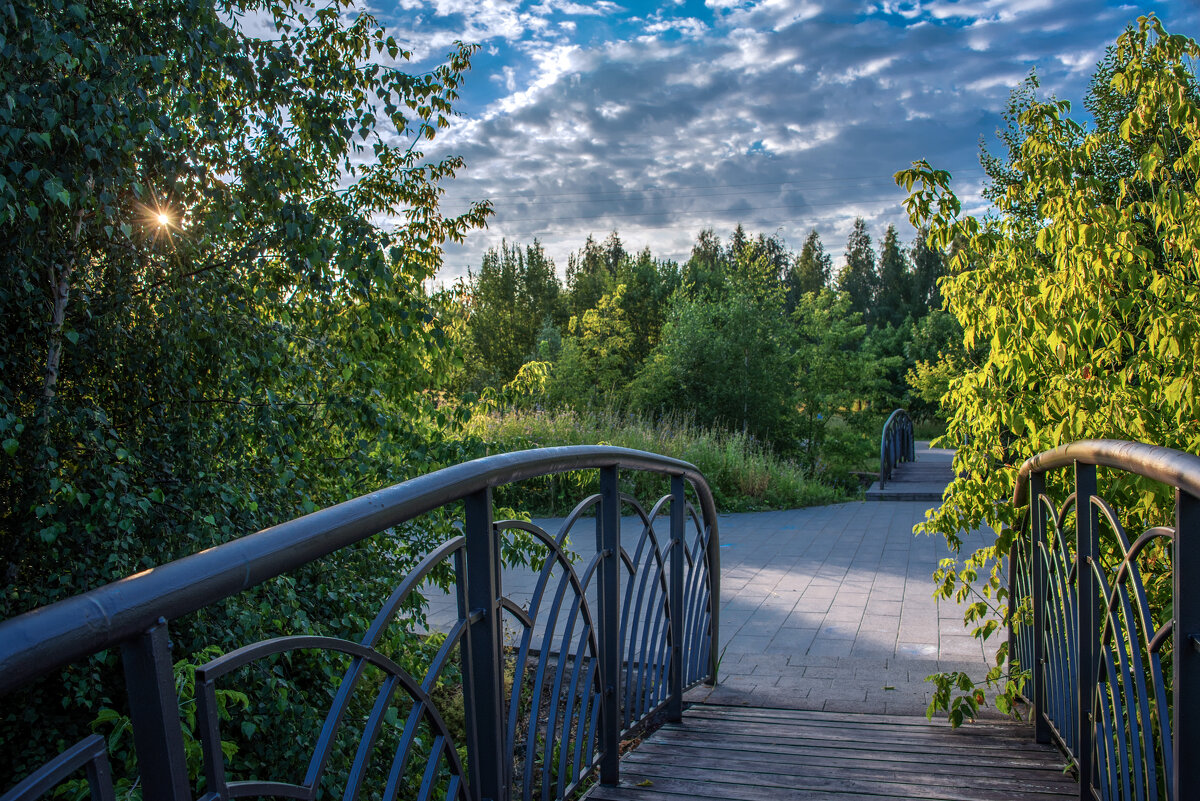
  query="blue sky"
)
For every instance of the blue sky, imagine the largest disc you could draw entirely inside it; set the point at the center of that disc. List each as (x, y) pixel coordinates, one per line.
(659, 119)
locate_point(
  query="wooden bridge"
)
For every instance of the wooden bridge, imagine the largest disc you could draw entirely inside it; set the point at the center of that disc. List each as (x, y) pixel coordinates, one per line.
(609, 645)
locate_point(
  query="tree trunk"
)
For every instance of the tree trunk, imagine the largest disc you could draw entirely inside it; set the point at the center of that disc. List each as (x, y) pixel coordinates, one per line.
(59, 279)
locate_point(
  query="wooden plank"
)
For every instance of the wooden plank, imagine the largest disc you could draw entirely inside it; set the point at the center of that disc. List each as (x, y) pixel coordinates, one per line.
(787, 713)
(814, 789)
(899, 722)
(848, 734)
(955, 751)
(1014, 735)
(719, 753)
(675, 763)
(793, 715)
(747, 754)
(950, 760)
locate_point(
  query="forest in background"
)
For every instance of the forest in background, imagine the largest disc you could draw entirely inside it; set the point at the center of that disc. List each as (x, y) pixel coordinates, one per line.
(746, 337)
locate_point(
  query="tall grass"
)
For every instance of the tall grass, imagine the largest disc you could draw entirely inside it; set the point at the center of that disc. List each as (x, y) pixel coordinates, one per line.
(744, 475)
(928, 428)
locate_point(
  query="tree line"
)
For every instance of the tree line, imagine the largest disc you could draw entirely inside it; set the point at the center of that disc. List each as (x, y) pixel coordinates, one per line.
(745, 334)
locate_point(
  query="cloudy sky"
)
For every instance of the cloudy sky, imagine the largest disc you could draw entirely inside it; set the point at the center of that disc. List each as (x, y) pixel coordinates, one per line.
(660, 119)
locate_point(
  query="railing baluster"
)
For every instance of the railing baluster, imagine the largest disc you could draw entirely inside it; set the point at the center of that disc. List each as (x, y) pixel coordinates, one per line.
(713, 553)
(154, 714)
(1186, 722)
(608, 543)
(483, 662)
(1087, 553)
(675, 601)
(1041, 585)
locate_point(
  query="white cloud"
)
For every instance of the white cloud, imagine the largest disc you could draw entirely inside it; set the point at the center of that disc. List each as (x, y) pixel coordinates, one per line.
(551, 65)
(1002, 81)
(597, 8)
(745, 115)
(689, 27)
(1082, 60)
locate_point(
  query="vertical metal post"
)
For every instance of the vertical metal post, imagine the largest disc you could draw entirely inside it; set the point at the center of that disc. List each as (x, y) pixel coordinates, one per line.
(1041, 584)
(1185, 727)
(608, 544)
(483, 662)
(154, 714)
(675, 602)
(1087, 553)
(714, 595)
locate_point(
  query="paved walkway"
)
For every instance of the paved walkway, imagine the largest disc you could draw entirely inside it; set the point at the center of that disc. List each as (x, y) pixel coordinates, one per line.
(831, 608)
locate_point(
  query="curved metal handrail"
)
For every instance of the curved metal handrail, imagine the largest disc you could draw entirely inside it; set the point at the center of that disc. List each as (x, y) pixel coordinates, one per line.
(895, 444)
(44, 639)
(1164, 465)
(135, 612)
(1096, 649)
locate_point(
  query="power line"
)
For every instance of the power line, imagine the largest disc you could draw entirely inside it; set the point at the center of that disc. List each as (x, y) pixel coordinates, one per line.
(489, 236)
(714, 212)
(798, 183)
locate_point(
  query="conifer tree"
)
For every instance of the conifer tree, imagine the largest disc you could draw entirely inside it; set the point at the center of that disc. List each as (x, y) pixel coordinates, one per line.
(705, 270)
(589, 276)
(891, 301)
(928, 265)
(811, 270)
(858, 278)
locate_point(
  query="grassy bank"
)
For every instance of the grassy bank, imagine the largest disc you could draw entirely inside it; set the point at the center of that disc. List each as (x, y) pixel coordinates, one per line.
(744, 476)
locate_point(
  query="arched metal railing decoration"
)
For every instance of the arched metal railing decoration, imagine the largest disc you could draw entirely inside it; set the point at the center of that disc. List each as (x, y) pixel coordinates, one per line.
(606, 641)
(895, 444)
(1115, 677)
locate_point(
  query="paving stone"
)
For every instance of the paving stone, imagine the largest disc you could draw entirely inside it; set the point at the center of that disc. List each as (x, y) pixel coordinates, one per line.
(812, 660)
(768, 662)
(831, 647)
(747, 645)
(851, 664)
(821, 672)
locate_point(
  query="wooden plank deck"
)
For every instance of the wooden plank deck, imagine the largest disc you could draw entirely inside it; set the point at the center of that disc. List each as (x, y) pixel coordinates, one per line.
(747, 754)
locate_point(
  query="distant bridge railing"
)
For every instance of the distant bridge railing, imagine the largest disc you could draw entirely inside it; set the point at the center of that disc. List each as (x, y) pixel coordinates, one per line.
(1115, 675)
(606, 641)
(896, 444)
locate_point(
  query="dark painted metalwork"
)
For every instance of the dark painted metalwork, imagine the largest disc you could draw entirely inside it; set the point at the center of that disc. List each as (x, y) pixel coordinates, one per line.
(149, 677)
(88, 754)
(608, 545)
(896, 444)
(1096, 647)
(678, 512)
(483, 687)
(1186, 720)
(605, 642)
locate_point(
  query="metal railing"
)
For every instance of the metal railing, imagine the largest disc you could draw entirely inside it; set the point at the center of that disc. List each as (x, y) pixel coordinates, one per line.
(1115, 670)
(604, 642)
(895, 444)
